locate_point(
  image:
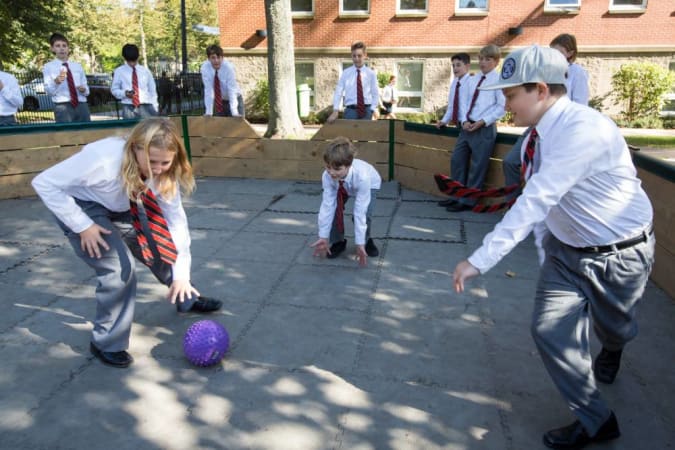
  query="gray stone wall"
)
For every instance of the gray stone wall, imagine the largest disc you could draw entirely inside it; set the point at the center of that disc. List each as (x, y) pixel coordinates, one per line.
(437, 74)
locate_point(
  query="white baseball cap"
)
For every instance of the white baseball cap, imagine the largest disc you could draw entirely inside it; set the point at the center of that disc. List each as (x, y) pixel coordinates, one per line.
(531, 64)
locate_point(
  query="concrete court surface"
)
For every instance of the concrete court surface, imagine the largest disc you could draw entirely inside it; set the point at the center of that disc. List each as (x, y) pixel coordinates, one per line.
(323, 355)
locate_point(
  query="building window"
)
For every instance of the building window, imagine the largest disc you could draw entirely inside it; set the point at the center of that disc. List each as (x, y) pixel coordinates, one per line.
(627, 6)
(411, 8)
(354, 7)
(304, 74)
(471, 7)
(410, 83)
(302, 8)
(562, 6)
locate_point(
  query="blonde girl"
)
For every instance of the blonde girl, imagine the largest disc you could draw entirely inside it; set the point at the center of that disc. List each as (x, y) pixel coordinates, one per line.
(91, 194)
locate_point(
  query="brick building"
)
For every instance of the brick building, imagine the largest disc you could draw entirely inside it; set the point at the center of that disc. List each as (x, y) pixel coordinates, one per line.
(414, 39)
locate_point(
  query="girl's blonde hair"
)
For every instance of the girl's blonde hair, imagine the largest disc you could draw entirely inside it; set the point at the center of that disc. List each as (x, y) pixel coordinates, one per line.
(160, 133)
(568, 42)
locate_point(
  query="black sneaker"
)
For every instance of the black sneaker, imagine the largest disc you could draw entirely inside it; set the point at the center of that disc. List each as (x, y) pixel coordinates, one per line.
(337, 248)
(205, 305)
(371, 249)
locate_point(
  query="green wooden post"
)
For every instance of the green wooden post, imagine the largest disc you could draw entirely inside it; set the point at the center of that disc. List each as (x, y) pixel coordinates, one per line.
(186, 136)
(392, 124)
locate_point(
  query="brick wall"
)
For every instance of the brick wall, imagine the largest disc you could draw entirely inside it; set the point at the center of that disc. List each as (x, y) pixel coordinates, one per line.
(593, 25)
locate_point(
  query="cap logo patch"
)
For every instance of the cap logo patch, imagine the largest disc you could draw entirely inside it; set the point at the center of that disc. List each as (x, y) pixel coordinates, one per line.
(509, 68)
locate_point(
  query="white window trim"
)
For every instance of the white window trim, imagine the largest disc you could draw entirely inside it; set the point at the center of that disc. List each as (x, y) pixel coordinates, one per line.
(572, 7)
(313, 63)
(401, 93)
(412, 12)
(303, 14)
(472, 11)
(627, 9)
(344, 13)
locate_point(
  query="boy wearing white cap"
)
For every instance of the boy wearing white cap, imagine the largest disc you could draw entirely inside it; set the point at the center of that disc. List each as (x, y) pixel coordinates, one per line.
(593, 230)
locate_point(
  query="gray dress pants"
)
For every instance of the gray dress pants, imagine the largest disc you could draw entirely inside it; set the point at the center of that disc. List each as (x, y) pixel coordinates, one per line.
(471, 158)
(336, 236)
(572, 286)
(116, 276)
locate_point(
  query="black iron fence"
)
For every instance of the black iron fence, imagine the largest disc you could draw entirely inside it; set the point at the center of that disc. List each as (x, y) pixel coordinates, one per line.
(179, 94)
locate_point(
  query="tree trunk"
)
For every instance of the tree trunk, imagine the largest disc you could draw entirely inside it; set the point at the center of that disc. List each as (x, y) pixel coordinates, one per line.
(283, 119)
(144, 55)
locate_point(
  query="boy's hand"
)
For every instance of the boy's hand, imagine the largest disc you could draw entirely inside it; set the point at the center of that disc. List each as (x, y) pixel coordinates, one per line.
(321, 247)
(361, 255)
(440, 124)
(91, 239)
(332, 117)
(463, 272)
(471, 127)
(181, 290)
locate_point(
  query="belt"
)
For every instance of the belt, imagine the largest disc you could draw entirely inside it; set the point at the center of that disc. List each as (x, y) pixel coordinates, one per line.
(619, 245)
(354, 106)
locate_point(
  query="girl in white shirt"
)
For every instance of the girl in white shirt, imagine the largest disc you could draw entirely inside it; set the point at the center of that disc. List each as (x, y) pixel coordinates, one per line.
(577, 77)
(91, 193)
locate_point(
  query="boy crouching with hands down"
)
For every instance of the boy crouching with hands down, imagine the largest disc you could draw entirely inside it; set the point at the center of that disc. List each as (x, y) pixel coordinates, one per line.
(346, 177)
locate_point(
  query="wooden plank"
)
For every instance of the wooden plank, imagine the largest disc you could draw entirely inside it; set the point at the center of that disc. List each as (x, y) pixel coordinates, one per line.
(436, 141)
(356, 130)
(660, 192)
(33, 160)
(664, 267)
(416, 179)
(225, 147)
(428, 159)
(233, 127)
(59, 138)
(16, 186)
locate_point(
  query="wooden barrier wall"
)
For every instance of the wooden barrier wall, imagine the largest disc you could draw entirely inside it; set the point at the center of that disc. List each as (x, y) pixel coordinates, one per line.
(229, 147)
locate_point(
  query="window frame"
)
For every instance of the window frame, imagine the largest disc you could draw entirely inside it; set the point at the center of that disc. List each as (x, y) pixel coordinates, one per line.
(303, 14)
(356, 14)
(570, 7)
(412, 12)
(403, 93)
(312, 102)
(627, 9)
(475, 11)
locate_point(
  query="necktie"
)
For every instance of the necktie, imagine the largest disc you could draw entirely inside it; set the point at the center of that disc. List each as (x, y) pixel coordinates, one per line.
(455, 104)
(475, 96)
(458, 190)
(526, 168)
(71, 86)
(360, 104)
(217, 95)
(136, 100)
(159, 230)
(342, 197)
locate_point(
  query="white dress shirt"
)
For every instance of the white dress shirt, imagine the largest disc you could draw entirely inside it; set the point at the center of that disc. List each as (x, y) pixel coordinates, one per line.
(389, 94)
(347, 86)
(577, 84)
(584, 189)
(60, 92)
(10, 95)
(360, 179)
(93, 174)
(229, 89)
(489, 105)
(463, 92)
(147, 90)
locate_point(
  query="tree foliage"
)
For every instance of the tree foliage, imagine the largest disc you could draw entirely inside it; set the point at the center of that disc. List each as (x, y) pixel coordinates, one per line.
(25, 26)
(639, 87)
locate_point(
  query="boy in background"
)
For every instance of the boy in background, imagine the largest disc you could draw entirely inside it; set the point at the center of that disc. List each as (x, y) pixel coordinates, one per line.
(66, 83)
(222, 96)
(134, 86)
(359, 86)
(346, 176)
(476, 141)
(10, 98)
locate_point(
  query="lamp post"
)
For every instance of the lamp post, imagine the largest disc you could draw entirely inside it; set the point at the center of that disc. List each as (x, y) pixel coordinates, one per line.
(183, 36)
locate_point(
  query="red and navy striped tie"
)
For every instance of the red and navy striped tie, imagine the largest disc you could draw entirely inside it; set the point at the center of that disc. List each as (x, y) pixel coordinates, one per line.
(458, 190)
(342, 197)
(159, 231)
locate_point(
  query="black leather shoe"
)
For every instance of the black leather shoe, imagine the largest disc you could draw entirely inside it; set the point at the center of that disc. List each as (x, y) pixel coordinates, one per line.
(574, 436)
(371, 249)
(337, 248)
(447, 202)
(458, 207)
(205, 305)
(607, 365)
(116, 359)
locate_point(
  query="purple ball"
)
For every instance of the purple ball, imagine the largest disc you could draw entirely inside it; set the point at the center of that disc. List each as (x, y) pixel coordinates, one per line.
(205, 343)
